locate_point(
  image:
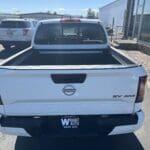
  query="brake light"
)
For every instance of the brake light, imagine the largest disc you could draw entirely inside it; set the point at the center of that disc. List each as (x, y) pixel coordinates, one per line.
(70, 20)
(141, 89)
(25, 31)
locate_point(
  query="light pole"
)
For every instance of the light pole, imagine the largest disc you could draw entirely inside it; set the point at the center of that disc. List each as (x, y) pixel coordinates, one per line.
(135, 18)
(141, 20)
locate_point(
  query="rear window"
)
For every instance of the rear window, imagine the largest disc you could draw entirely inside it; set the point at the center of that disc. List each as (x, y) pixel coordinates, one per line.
(15, 24)
(70, 33)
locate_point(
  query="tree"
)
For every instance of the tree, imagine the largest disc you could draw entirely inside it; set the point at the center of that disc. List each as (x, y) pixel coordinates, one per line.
(91, 14)
(48, 12)
(55, 13)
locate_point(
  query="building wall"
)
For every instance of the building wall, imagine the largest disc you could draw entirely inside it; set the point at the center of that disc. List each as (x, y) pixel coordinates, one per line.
(144, 26)
(4, 16)
(147, 7)
(114, 10)
(39, 16)
(124, 12)
(145, 29)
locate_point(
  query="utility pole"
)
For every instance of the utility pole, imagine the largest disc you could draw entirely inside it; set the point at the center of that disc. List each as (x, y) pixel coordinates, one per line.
(130, 16)
(141, 20)
(135, 18)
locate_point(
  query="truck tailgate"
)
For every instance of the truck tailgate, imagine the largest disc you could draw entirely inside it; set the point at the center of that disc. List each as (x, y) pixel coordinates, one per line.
(69, 92)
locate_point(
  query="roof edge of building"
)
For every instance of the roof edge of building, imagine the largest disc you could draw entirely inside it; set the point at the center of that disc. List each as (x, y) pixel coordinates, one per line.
(109, 4)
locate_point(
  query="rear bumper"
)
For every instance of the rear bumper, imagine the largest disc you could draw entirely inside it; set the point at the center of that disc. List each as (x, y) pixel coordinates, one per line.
(90, 125)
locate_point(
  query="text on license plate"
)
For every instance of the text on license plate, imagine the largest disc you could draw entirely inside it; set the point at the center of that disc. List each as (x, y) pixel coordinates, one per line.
(70, 122)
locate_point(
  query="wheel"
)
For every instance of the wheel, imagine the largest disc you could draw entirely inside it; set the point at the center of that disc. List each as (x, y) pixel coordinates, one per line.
(6, 46)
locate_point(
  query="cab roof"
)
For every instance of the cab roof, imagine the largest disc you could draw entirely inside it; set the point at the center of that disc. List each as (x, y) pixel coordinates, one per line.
(70, 20)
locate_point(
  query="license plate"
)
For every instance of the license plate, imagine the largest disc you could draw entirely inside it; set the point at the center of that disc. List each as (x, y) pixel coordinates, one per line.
(70, 122)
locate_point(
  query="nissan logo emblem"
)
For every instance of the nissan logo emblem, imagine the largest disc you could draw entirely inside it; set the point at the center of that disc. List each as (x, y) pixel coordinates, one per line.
(69, 90)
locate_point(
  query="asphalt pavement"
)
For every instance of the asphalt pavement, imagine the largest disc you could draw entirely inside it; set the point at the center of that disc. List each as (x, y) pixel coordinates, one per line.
(138, 141)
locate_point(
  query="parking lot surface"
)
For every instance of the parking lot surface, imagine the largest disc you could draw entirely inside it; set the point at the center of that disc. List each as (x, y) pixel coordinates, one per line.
(137, 141)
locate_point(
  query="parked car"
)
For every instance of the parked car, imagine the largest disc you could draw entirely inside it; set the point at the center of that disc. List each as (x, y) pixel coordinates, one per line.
(16, 32)
(71, 82)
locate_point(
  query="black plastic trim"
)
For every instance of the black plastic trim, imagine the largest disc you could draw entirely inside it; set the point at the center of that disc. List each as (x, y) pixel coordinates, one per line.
(51, 125)
(68, 78)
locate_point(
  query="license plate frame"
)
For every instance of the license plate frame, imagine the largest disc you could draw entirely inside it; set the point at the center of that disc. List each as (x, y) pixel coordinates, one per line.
(70, 122)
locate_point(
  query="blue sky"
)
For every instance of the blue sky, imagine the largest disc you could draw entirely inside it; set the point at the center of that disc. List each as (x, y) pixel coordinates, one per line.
(61, 6)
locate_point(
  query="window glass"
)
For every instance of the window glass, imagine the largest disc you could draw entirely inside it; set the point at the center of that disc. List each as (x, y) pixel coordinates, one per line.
(14, 24)
(70, 33)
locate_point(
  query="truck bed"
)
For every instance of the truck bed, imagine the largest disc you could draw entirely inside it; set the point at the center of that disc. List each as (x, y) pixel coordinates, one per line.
(33, 57)
(69, 89)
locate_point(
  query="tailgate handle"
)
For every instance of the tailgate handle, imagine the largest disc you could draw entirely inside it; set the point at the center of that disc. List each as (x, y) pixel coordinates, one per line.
(68, 78)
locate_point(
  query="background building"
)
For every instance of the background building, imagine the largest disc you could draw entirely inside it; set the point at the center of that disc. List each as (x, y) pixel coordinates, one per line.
(114, 13)
(129, 17)
(41, 15)
(36, 15)
(144, 27)
(5, 15)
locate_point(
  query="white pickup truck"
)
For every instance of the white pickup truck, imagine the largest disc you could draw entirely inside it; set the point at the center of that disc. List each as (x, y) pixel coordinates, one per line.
(70, 82)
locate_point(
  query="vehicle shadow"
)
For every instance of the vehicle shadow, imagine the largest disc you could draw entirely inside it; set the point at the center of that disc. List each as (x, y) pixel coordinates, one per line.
(5, 53)
(120, 142)
(144, 50)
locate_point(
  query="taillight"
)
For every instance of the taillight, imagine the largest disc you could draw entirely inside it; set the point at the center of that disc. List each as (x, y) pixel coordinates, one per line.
(141, 89)
(70, 20)
(25, 31)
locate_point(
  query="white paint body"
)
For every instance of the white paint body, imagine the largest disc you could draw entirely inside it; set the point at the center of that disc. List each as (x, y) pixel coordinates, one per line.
(30, 91)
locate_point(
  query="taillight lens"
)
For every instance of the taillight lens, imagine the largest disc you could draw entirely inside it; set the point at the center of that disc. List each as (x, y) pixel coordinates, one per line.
(70, 20)
(141, 89)
(25, 31)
